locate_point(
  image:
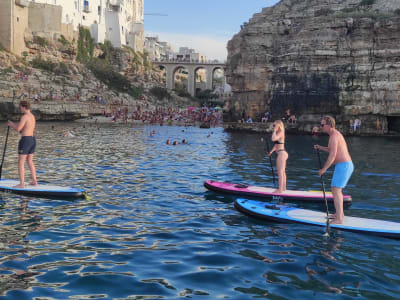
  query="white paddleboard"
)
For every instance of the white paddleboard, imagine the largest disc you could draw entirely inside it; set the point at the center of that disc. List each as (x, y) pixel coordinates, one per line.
(43, 190)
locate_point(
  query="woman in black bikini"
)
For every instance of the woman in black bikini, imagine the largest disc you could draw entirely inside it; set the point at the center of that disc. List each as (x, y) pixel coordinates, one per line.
(278, 137)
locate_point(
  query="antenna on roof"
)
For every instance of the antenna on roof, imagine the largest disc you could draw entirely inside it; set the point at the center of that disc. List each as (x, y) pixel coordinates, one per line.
(156, 14)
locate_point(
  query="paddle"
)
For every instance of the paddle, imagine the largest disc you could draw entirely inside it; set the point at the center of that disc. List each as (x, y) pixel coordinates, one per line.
(326, 202)
(270, 162)
(4, 151)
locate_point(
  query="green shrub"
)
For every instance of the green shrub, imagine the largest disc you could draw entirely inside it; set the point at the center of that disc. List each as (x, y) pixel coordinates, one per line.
(206, 94)
(367, 2)
(85, 45)
(6, 70)
(63, 40)
(42, 64)
(184, 94)
(160, 93)
(323, 12)
(104, 72)
(1, 47)
(348, 9)
(108, 50)
(40, 41)
(62, 68)
(47, 65)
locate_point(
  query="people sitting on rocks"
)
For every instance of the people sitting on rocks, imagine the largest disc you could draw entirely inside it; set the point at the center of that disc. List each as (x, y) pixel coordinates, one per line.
(292, 119)
(265, 118)
(357, 125)
(315, 131)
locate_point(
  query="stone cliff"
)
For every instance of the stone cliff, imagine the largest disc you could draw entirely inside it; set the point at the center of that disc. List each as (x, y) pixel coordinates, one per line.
(69, 89)
(315, 57)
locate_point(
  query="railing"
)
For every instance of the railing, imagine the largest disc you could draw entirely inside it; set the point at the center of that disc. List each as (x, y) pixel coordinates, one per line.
(196, 61)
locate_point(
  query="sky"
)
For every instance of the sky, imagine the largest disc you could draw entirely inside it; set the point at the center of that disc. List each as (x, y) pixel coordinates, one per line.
(204, 25)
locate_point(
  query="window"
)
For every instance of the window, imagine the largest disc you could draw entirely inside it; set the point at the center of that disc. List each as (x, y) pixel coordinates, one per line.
(99, 10)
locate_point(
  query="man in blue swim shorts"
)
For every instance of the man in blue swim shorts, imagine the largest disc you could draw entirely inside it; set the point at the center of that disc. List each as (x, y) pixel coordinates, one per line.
(27, 144)
(340, 157)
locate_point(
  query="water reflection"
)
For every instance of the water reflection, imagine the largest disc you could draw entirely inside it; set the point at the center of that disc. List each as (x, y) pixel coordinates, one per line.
(150, 230)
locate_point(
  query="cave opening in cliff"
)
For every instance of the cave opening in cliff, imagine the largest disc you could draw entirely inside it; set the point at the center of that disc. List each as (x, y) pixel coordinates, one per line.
(394, 124)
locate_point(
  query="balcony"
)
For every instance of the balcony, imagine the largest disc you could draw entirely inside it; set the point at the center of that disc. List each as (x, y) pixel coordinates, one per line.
(86, 9)
(116, 2)
(23, 3)
(137, 27)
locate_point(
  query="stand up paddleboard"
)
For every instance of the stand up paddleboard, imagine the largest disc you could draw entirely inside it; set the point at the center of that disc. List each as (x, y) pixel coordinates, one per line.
(287, 214)
(41, 190)
(268, 193)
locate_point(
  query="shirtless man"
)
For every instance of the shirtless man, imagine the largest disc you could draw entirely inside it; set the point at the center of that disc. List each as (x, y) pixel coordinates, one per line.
(340, 157)
(27, 143)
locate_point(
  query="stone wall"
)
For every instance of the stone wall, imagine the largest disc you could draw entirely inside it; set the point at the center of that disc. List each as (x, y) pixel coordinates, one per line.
(45, 20)
(318, 57)
(5, 24)
(20, 20)
(13, 23)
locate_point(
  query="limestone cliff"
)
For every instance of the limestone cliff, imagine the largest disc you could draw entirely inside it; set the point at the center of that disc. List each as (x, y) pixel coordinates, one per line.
(316, 57)
(68, 89)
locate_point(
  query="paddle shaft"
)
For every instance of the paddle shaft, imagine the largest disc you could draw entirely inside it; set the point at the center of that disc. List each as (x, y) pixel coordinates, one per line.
(4, 151)
(323, 191)
(270, 162)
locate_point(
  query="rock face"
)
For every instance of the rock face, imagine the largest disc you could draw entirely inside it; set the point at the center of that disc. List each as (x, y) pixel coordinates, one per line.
(315, 57)
(71, 94)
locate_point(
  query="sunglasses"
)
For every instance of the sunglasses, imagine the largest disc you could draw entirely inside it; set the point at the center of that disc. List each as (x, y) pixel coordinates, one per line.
(322, 125)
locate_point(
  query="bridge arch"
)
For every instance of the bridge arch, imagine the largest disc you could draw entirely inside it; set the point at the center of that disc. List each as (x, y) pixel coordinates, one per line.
(192, 68)
(180, 77)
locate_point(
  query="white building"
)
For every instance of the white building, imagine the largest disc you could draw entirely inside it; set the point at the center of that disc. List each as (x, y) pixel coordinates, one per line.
(119, 21)
(159, 51)
(188, 54)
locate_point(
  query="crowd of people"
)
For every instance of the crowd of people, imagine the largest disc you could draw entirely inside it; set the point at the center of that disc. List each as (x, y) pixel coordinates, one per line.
(189, 116)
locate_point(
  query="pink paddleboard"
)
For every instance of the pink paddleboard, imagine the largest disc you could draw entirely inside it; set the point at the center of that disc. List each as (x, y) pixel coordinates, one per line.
(266, 192)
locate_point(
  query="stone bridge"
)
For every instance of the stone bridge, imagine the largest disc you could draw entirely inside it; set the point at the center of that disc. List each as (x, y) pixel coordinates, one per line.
(192, 67)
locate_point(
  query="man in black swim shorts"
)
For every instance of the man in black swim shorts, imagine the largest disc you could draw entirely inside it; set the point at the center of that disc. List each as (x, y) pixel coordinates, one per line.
(27, 144)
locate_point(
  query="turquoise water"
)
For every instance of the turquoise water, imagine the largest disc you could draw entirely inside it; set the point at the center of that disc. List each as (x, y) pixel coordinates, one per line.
(150, 230)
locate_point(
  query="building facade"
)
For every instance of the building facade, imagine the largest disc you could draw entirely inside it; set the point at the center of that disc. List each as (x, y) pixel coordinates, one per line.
(189, 55)
(13, 23)
(119, 21)
(158, 50)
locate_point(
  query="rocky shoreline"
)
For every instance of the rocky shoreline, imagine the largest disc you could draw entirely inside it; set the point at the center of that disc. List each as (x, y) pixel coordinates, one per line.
(301, 129)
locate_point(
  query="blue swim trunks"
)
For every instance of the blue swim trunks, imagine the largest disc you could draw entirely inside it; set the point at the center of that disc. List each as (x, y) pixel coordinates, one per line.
(342, 174)
(27, 145)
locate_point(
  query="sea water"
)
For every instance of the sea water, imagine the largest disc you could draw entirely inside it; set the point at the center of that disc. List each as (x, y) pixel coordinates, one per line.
(150, 230)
